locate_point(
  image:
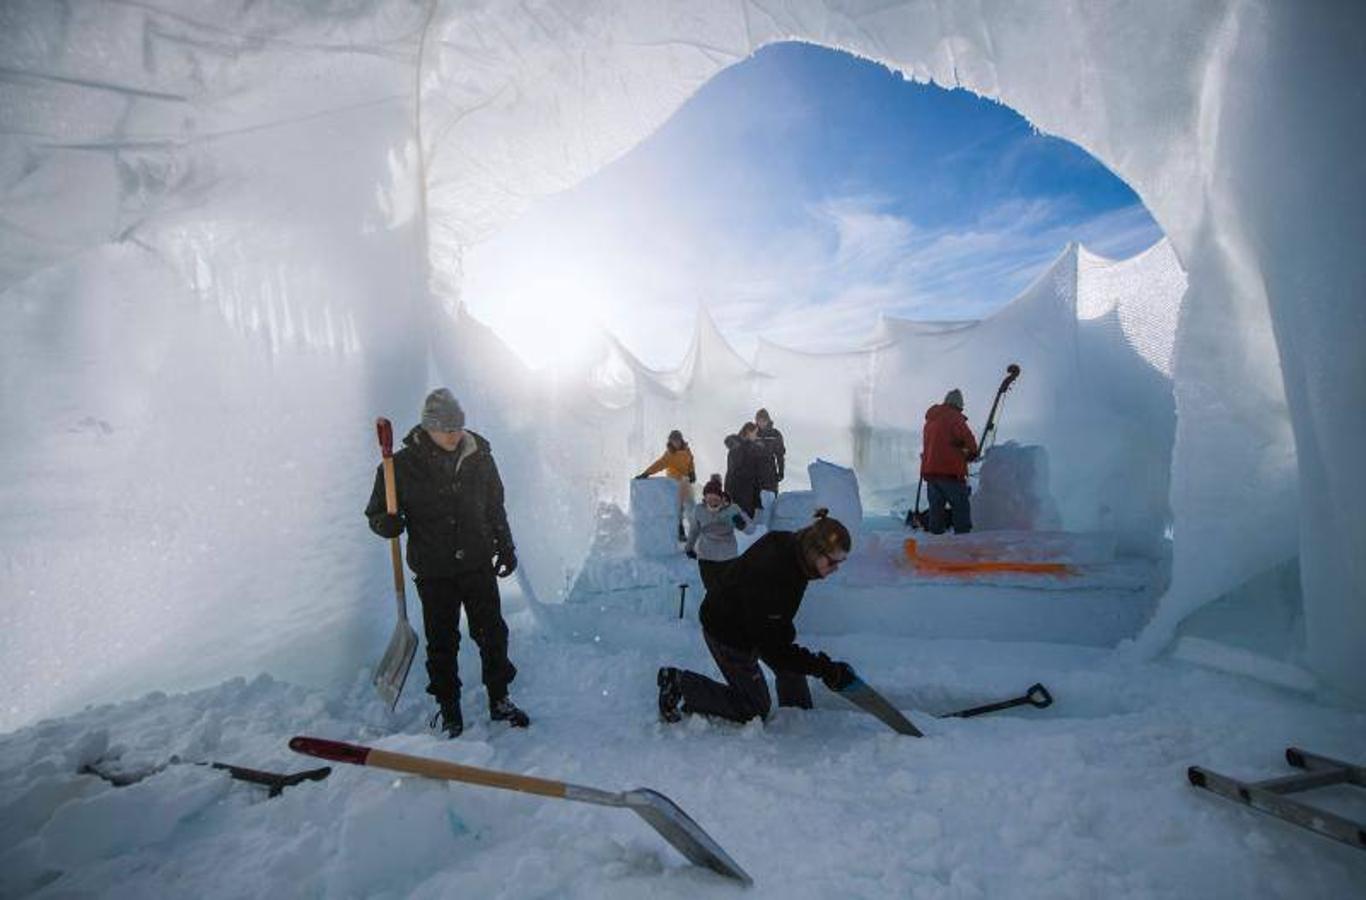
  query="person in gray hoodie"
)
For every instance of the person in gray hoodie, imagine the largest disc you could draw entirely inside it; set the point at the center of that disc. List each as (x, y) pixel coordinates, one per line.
(711, 532)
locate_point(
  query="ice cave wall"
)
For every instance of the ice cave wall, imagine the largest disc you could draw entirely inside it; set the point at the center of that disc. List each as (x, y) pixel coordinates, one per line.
(263, 156)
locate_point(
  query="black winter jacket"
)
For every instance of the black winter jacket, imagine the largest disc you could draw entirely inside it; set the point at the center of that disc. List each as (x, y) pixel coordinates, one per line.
(451, 504)
(755, 604)
(742, 473)
(770, 441)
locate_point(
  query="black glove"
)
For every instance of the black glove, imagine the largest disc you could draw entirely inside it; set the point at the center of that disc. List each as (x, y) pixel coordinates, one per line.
(641, 475)
(837, 675)
(387, 525)
(691, 554)
(692, 477)
(505, 563)
(739, 521)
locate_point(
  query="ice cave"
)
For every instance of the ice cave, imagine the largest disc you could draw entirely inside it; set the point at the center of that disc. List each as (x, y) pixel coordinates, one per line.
(232, 234)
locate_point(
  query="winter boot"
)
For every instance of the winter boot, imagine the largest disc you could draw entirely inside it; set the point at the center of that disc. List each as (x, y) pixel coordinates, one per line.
(670, 694)
(448, 718)
(506, 711)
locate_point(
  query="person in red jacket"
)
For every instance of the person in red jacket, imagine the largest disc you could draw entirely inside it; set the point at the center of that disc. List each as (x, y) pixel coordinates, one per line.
(948, 448)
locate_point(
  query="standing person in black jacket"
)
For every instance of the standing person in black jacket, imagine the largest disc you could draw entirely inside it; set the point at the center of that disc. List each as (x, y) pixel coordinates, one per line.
(743, 460)
(748, 618)
(450, 501)
(770, 441)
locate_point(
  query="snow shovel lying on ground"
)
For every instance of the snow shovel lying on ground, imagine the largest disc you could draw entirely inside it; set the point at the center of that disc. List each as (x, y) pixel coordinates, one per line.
(658, 811)
(398, 656)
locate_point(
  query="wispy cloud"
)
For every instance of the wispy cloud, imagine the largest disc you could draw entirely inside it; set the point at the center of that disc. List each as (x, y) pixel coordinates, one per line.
(820, 283)
(859, 262)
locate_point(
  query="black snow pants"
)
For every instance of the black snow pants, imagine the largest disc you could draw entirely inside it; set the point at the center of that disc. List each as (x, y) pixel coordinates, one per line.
(442, 599)
(953, 494)
(745, 693)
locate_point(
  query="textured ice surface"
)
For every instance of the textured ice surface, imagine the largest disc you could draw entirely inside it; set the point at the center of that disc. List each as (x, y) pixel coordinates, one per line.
(1013, 491)
(836, 489)
(219, 264)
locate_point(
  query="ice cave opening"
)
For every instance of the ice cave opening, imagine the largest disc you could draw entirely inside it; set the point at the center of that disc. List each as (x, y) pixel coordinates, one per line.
(1085, 474)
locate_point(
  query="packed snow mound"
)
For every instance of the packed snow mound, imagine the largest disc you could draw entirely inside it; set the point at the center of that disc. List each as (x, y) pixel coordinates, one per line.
(177, 165)
(836, 489)
(812, 803)
(1013, 491)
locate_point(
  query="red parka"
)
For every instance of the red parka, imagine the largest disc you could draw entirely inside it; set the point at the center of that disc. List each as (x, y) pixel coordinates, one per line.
(949, 443)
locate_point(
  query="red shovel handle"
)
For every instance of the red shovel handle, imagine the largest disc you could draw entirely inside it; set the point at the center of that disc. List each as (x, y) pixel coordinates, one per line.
(337, 751)
(385, 430)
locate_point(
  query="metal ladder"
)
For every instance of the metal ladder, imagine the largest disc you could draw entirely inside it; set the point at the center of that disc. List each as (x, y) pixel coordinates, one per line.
(1269, 796)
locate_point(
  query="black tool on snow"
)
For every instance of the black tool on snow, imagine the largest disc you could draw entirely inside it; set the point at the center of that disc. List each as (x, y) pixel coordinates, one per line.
(989, 429)
(274, 782)
(1037, 696)
(916, 518)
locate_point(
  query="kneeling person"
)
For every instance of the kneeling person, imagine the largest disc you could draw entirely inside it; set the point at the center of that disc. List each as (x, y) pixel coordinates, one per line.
(450, 501)
(748, 618)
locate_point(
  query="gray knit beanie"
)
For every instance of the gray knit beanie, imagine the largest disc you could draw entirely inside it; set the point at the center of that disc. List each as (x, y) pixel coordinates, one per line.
(954, 398)
(442, 412)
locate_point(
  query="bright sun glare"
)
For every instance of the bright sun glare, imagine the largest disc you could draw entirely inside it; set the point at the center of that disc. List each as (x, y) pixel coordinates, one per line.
(549, 303)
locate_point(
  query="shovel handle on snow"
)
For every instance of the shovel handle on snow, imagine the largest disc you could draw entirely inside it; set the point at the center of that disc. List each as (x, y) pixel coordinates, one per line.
(1037, 696)
(658, 811)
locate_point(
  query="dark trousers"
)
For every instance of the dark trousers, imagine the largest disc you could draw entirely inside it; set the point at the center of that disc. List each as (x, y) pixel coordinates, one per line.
(442, 599)
(745, 693)
(948, 502)
(712, 572)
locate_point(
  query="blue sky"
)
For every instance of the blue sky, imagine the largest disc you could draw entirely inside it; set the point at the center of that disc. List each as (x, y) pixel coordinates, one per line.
(799, 195)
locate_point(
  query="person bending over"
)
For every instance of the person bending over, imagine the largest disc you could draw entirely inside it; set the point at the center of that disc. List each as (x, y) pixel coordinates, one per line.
(748, 619)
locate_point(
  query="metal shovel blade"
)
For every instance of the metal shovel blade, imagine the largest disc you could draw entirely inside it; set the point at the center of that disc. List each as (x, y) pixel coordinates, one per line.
(658, 811)
(393, 668)
(686, 836)
(869, 700)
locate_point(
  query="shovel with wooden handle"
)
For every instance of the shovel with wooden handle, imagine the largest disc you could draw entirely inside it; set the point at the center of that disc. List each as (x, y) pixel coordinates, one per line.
(398, 656)
(658, 811)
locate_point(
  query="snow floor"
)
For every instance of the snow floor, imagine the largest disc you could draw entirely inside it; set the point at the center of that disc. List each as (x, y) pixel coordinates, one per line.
(1085, 799)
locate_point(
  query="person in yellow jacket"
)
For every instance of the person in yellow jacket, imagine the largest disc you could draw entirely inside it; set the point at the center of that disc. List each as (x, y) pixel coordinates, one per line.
(677, 463)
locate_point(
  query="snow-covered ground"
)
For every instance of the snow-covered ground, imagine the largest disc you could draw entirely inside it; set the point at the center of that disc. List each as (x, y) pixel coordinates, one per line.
(1085, 799)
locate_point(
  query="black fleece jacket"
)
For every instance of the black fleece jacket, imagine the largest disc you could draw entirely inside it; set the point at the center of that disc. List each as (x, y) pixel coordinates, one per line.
(756, 602)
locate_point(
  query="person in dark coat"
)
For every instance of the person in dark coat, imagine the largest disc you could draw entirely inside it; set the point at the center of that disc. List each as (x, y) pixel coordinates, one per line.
(949, 446)
(450, 501)
(748, 619)
(743, 461)
(770, 441)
